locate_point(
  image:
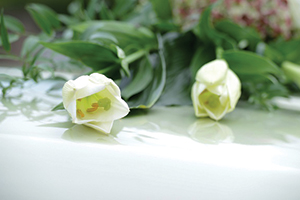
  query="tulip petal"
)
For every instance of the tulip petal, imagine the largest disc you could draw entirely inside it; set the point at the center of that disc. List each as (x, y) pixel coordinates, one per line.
(216, 113)
(101, 79)
(212, 105)
(212, 73)
(216, 89)
(234, 89)
(89, 89)
(197, 89)
(68, 93)
(101, 126)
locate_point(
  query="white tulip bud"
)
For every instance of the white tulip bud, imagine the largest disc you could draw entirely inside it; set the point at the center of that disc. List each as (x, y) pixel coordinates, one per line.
(216, 90)
(94, 101)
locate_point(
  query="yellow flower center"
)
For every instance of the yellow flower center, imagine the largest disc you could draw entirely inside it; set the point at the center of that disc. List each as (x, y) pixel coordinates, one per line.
(209, 99)
(92, 104)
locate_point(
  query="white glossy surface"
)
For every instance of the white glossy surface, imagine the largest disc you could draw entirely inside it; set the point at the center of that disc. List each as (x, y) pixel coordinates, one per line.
(165, 153)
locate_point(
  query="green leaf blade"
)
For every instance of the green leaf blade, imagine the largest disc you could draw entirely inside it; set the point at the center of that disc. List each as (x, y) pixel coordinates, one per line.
(244, 62)
(163, 9)
(14, 24)
(152, 93)
(128, 36)
(91, 54)
(4, 34)
(44, 17)
(141, 79)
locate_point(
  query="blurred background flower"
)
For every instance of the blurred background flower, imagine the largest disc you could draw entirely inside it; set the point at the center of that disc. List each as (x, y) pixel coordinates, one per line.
(270, 18)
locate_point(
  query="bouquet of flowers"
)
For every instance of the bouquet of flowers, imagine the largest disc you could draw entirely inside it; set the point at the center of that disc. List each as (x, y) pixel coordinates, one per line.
(135, 54)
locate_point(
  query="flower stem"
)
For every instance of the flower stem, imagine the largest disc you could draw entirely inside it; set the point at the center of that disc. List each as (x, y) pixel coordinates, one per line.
(219, 52)
(134, 56)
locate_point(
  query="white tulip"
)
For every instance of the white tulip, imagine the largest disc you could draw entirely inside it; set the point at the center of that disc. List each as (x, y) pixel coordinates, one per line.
(94, 101)
(216, 90)
(294, 7)
(292, 71)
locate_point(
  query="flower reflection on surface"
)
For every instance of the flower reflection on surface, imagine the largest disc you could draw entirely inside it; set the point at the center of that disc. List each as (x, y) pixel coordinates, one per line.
(83, 134)
(210, 132)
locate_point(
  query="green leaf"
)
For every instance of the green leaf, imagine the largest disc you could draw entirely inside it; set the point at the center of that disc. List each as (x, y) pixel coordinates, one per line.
(11, 38)
(91, 11)
(239, 33)
(9, 57)
(14, 24)
(179, 49)
(4, 35)
(268, 51)
(151, 94)
(163, 9)
(59, 107)
(289, 49)
(209, 35)
(244, 62)
(30, 44)
(68, 20)
(261, 94)
(142, 76)
(121, 8)
(103, 37)
(91, 54)
(144, 16)
(44, 17)
(105, 13)
(129, 37)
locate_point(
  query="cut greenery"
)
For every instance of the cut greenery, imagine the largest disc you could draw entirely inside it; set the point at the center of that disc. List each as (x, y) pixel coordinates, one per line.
(141, 48)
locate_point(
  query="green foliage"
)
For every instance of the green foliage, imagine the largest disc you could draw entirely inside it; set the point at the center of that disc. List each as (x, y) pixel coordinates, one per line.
(209, 35)
(289, 50)
(141, 77)
(44, 17)
(248, 63)
(245, 37)
(128, 36)
(148, 97)
(5, 39)
(162, 9)
(13, 24)
(59, 107)
(178, 53)
(140, 47)
(12, 82)
(94, 55)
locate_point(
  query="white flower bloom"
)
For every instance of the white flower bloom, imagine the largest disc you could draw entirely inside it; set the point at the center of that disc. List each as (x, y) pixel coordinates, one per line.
(292, 71)
(94, 101)
(216, 90)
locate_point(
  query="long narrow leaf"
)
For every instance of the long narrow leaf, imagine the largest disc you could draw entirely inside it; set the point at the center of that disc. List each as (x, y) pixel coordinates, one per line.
(45, 17)
(141, 78)
(4, 35)
(151, 94)
(99, 58)
(14, 24)
(244, 62)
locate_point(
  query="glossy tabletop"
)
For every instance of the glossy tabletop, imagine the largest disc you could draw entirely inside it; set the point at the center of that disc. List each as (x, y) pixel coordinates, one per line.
(163, 153)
